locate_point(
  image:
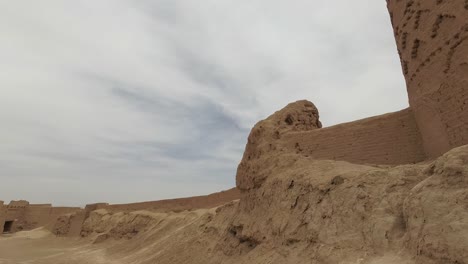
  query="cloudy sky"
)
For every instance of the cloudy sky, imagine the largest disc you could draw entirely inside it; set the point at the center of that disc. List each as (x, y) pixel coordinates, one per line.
(124, 101)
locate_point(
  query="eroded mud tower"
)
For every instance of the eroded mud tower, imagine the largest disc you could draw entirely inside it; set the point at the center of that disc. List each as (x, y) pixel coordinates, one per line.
(432, 36)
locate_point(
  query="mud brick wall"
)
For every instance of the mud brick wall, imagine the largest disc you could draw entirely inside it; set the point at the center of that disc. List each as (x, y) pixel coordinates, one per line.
(432, 41)
(29, 216)
(37, 216)
(181, 204)
(2, 215)
(391, 139)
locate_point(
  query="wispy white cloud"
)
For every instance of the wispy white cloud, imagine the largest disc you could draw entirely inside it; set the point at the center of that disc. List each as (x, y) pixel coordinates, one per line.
(124, 101)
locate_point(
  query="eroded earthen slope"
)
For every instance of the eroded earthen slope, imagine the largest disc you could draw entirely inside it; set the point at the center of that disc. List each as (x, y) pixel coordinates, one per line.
(309, 211)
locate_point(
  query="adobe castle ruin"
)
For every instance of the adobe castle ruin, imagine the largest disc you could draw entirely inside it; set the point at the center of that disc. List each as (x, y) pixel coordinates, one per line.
(21, 215)
(431, 37)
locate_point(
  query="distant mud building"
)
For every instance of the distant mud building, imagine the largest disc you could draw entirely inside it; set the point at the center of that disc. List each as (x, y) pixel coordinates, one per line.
(21, 215)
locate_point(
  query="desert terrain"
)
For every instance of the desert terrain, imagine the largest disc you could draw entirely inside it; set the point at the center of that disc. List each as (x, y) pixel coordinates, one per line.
(386, 189)
(37, 246)
(42, 246)
(307, 211)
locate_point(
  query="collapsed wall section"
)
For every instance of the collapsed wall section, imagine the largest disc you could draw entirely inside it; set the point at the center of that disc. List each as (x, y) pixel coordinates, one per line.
(67, 221)
(390, 139)
(71, 224)
(432, 41)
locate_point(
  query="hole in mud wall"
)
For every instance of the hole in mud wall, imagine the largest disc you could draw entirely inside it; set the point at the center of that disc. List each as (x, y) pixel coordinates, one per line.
(7, 227)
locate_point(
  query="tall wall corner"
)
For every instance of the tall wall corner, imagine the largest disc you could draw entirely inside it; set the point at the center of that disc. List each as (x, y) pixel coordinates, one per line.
(432, 42)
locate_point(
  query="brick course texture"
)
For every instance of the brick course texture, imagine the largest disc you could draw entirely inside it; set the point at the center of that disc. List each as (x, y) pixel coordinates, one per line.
(432, 41)
(391, 139)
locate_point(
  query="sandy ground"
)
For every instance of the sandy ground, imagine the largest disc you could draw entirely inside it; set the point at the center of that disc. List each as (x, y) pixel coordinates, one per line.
(161, 230)
(39, 246)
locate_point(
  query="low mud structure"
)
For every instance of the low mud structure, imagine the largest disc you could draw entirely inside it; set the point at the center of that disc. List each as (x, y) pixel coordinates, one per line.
(20, 215)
